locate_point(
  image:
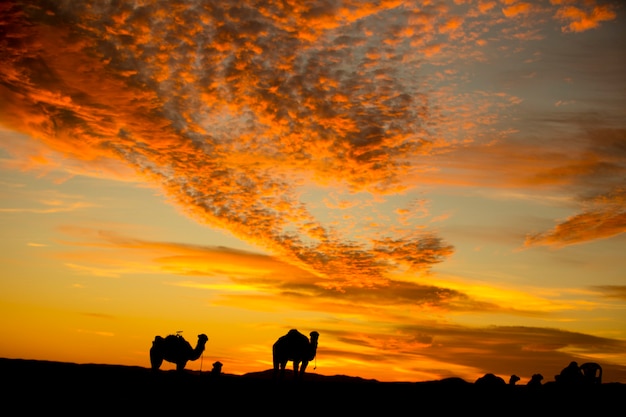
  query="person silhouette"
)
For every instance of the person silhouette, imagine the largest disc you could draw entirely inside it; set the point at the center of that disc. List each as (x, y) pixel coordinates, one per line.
(217, 368)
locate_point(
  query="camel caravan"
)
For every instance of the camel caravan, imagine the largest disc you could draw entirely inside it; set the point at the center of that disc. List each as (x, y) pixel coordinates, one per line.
(299, 349)
(589, 373)
(293, 346)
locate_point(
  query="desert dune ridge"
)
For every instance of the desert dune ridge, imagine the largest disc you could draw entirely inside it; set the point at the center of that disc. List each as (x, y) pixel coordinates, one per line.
(69, 387)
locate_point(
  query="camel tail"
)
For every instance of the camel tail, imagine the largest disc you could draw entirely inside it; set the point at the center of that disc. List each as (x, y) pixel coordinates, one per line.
(275, 360)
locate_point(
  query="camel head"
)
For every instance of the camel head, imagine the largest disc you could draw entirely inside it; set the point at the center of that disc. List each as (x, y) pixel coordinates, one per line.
(197, 351)
(314, 337)
(202, 339)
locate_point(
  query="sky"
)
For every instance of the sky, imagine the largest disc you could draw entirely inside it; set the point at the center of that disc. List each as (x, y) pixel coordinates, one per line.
(437, 187)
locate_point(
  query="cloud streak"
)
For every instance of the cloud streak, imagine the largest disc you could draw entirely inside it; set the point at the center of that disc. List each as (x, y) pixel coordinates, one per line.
(604, 219)
(411, 333)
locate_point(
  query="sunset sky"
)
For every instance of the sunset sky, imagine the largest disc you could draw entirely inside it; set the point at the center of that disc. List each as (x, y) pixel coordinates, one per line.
(437, 187)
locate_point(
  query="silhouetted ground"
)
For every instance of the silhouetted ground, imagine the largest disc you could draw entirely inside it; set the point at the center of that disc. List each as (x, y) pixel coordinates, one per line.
(31, 387)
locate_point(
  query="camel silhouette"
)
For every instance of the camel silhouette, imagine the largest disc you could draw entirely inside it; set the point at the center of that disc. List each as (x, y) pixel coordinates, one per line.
(513, 379)
(592, 373)
(570, 375)
(535, 380)
(175, 349)
(295, 347)
(490, 380)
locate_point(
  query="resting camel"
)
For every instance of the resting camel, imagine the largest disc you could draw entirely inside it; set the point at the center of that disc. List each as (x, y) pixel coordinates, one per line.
(570, 375)
(535, 380)
(295, 347)
(592, 373)
(490, 380)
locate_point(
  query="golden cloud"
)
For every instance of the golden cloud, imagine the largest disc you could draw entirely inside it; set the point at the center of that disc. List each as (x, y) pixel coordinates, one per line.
(606, 218)
(580, 20)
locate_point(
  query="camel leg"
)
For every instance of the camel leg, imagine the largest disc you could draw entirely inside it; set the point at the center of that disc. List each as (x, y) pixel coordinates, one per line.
(303, 368)
(180, 366)
(279, 368)
(155, 361)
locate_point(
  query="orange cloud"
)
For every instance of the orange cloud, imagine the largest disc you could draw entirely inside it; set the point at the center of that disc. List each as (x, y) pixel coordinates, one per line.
(580, 20)
(185, 99)
(451, 25)
(260, 279)
(515, 9)
(607, 218)
(485, 6)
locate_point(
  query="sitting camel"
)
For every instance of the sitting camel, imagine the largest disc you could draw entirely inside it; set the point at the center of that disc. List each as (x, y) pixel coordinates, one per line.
(592, 373)
(535, 380)
(570, 375)
(490, 380)
(175, 349)
(295, 347)
(513, 379)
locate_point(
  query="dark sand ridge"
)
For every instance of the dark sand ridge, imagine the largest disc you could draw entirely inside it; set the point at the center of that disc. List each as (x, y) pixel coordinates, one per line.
(32, 387)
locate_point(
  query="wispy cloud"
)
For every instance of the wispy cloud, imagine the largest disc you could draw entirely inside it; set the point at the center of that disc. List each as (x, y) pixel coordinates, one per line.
(252, 280)
(44, 201)
(111, 254)
(580, 18)
(612, 291)
(53, 207)
(96, 332)
(605, 217)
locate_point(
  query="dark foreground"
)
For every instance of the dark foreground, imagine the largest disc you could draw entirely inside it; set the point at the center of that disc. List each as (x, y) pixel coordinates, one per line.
(31, 387)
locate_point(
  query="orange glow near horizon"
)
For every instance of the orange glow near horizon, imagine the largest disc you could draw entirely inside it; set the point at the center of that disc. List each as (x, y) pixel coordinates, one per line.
(436, 188)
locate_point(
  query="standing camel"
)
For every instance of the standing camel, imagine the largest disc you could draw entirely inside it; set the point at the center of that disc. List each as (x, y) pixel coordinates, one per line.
(295, 347)
(175, 349)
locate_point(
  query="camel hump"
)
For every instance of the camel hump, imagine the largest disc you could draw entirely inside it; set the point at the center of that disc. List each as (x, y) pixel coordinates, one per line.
(294, 333)
(174, 338)
(294, 336)
(292, 339)
(176, 341)
(490, 380)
